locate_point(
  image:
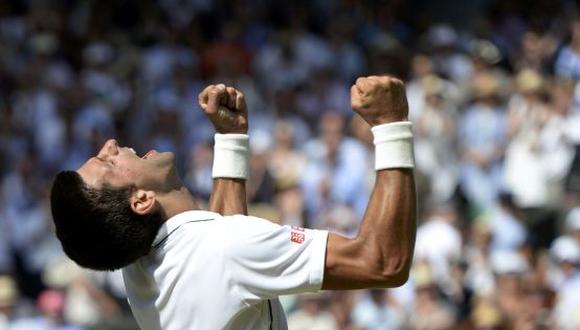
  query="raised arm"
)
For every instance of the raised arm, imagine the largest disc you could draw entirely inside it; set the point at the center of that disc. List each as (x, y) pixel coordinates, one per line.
(381, 254)
(226, 109)
(228, 197)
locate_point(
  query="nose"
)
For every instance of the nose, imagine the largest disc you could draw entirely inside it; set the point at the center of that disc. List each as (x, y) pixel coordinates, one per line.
(110, 148)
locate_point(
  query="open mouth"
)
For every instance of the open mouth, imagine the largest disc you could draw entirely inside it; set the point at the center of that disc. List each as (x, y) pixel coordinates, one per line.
(149, 154)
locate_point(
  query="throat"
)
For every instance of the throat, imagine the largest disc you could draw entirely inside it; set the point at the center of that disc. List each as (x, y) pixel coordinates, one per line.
(177, 201)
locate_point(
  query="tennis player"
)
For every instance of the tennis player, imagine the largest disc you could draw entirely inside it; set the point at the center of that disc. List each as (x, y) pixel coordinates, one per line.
(186, 268)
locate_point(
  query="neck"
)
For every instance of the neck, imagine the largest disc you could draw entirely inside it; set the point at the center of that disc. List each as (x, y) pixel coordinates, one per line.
(177, 201)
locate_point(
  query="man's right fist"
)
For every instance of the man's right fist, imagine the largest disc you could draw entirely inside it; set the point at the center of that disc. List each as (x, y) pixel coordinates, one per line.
(225, 107)
(379, 99)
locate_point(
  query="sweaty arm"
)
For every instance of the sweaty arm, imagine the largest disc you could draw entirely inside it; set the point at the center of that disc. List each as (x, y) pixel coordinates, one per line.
(226, 109)
(381, 254)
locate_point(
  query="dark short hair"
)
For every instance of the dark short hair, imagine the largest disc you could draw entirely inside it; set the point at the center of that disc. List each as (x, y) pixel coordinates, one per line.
(97, 227)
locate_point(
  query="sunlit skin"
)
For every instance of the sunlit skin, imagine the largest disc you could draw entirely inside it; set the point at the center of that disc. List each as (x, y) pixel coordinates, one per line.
(120, 166)
(380, 255)
(153, 176)
(156, 185)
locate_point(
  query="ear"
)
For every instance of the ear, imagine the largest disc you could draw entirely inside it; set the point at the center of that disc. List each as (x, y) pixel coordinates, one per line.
(143, 201)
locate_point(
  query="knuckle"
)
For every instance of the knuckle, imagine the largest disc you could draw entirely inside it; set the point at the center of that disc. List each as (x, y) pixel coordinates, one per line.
(213, 92)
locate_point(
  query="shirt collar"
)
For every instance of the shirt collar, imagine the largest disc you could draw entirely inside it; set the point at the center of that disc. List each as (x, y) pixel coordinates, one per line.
(178, 220)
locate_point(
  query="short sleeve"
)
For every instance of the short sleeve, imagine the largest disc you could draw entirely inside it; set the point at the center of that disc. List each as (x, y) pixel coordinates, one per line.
(267, 260)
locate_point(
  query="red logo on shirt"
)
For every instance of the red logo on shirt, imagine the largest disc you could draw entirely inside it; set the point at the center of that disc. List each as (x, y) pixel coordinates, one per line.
(297, 234)
(297, 237)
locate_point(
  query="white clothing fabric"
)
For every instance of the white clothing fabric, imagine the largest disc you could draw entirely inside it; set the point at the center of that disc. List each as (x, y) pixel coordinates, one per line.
(439, 243)
(567, 309)
(206, 271)
(302, 320)
(507, 232)
(369, 315)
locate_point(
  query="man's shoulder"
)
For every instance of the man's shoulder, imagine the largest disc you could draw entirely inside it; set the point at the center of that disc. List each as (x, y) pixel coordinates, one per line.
(177, 240)
(194, 215)
(196, 229)
(212, 219)
(187, 217)
(180, 220)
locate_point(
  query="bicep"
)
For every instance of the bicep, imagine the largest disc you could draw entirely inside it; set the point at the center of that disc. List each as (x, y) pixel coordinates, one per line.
(268, 260)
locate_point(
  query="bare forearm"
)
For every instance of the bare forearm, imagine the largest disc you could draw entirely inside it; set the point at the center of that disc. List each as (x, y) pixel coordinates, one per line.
(389, 224)
(381, 254)
(225, 107)
(228, 196)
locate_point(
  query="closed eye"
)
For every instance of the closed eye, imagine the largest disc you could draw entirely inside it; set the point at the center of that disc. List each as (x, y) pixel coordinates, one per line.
(109, 161)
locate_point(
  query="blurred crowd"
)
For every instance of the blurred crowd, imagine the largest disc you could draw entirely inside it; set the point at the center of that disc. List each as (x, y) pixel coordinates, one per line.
(495, 104)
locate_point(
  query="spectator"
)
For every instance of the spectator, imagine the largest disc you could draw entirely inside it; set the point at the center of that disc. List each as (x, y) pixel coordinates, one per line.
(435, 141)
(573, 223)
(374, 311)
(568, 60)
(311, 314)
(336, 168)
(74, 73)
(430, 312)
(510, 270)
(8, 301)
(482, 135)
(506, 224)
(527, 113)
(261, 185)
(286, 161)
(566, 252)
(51, 305)
(447, 58)
(438, 244)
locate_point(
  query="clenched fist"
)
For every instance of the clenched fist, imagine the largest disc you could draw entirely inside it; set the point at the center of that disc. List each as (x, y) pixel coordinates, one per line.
(225, 107)
(379, 99)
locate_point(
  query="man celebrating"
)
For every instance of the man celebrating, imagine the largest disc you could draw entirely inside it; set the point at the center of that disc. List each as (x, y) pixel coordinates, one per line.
(185, 268)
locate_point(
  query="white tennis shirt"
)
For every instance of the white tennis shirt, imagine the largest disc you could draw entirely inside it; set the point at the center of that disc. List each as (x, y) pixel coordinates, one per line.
(207, 271)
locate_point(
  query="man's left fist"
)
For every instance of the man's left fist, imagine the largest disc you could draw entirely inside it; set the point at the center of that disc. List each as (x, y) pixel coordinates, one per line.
(379, 99)
(225, 107)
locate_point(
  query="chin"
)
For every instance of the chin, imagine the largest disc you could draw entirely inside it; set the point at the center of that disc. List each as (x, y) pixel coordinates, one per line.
(167, 156)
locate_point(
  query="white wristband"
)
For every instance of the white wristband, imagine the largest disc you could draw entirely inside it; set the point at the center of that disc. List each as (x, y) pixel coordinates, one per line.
(393, 145)
(230, 159)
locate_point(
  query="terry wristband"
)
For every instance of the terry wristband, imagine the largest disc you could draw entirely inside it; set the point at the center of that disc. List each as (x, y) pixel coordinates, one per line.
(230, 159)
(393, 145)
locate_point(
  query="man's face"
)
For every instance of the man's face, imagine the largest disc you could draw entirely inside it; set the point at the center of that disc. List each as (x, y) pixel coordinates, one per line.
(120, 167)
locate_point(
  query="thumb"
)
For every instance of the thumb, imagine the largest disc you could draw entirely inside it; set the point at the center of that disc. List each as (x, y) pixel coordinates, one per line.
(241, 103)
(215, 98)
